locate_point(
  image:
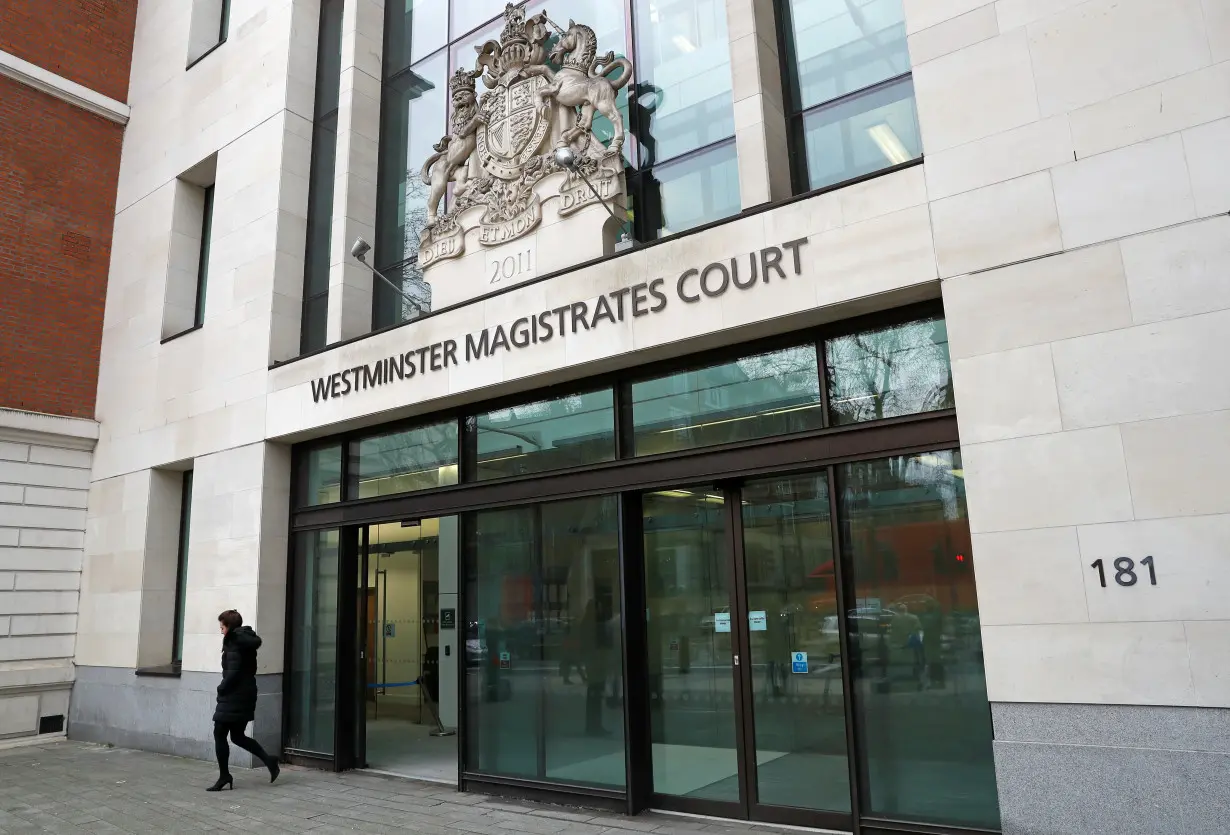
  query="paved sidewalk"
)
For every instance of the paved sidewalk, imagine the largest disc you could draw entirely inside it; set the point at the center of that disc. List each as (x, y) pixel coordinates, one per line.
(69, 787)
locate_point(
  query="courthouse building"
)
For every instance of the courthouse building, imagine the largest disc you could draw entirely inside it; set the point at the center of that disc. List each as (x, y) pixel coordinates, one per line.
(803, 411)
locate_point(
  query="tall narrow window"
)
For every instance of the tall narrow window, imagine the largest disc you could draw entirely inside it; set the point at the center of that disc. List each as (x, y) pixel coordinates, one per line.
(684, 117)
(187, 278)
(320, 188)
(207, 28)
(224, 22)
(181, 569)
(851, 97)
(202, 274)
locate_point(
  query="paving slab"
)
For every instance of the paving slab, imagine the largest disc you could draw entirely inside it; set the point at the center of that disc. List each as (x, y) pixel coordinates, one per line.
(77, 788)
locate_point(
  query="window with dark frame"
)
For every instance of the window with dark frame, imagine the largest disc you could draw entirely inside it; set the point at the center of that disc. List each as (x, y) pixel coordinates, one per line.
(208, 28)
(181, 569)
(224, 21)
(849, 91)
(848, 428)
(202, 275)
(892, 368)
(315, 312)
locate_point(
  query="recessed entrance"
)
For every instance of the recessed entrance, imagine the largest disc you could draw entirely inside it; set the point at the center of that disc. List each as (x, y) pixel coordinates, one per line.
(408, 647)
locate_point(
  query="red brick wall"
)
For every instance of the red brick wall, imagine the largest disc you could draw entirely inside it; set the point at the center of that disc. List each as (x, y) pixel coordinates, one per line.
(86, 41)
(58, 170)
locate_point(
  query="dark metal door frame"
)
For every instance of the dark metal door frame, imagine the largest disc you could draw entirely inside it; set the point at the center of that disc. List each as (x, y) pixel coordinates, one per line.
(748, 807)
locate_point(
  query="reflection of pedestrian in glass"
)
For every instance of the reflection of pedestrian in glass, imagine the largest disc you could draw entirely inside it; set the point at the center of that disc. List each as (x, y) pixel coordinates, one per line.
(596, 647)
(905, 635)
(932, 618)
(568, 656)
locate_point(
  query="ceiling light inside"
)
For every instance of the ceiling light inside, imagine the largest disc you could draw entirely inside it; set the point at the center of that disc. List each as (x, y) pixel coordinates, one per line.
(888, 143)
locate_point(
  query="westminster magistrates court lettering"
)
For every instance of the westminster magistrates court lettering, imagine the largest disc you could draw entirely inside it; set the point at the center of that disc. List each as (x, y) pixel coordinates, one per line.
(743, 273)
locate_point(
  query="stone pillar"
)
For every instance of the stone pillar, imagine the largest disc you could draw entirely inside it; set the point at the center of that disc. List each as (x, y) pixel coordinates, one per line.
(354, 193)
(760, 122)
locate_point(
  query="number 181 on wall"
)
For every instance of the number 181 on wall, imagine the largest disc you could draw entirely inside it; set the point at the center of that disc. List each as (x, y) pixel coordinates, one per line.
(1125, 572)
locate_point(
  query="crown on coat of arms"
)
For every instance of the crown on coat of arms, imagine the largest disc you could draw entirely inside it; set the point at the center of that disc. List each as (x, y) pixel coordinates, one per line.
(463, 79)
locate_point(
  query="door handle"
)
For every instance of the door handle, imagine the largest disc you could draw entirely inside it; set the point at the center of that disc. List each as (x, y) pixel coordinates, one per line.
(736, 661)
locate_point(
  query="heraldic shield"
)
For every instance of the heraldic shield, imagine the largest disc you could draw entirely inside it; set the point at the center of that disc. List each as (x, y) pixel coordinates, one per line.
(517, 121)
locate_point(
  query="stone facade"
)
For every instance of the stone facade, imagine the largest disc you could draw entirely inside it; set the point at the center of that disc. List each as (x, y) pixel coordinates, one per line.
(1071, 213)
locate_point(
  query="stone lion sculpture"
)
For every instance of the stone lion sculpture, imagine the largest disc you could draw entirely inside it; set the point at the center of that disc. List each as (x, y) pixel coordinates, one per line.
(454, 159)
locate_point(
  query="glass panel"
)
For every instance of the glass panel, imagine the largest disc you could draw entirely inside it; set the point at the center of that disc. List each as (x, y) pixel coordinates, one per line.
(415, 29)
(467, 14)
(840, 46)
(464, 52)
(416, 459)
(792, 608)
(693, 191)
(313, 652)
(753, 397)
(315, 321)
(322, 480)
(861, 135)
(181, 570)
(415, 109)
(329, 65)
(898, 370)
(544, 644)
(691, 677)
(915, 643)
(202, 277)
(683, 58)
(319, 232)
(547, 435)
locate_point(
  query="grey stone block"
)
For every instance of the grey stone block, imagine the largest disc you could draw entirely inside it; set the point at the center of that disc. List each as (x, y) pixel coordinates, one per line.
(1112, 769)
(1132, 726)
(1085, 790)
(168, 715)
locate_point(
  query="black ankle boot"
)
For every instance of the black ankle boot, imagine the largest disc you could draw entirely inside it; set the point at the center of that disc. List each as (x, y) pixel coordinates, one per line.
(225, 781)
(274, 768)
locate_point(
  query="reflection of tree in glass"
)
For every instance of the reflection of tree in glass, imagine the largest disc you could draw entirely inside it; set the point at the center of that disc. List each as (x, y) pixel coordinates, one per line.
(898, 370)
(421, 450)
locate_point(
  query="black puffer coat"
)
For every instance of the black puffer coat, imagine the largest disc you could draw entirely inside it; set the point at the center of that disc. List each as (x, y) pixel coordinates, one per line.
(237, 692)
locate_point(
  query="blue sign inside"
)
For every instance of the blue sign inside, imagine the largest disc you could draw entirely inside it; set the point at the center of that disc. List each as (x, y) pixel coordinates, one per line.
(798, 662)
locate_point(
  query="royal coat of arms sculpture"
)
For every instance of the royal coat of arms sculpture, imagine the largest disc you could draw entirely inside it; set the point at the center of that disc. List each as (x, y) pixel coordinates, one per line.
(500, 154)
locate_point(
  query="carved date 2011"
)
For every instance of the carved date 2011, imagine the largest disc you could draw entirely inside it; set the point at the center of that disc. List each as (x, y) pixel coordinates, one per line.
(512, 266)
(1125, 571)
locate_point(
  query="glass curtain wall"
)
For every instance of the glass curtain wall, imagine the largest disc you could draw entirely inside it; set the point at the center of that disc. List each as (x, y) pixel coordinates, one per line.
(680, 156)
(542, 693)
(310, 725)
(544, 648)
(687, 173)
(920, 703)
(320, 188)
(851, 97)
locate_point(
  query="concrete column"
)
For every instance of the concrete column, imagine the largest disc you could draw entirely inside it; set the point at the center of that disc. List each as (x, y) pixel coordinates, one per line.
(760, 123)
(354, 193)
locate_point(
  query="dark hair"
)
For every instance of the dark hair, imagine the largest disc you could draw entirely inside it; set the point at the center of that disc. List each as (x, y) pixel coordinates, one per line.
(230, 619)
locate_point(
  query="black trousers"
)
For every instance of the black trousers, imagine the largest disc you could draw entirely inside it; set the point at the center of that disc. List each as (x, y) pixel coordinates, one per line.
(247, 743)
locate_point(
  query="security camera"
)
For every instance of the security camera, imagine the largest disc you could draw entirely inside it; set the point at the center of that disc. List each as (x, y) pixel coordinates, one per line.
(360, 248)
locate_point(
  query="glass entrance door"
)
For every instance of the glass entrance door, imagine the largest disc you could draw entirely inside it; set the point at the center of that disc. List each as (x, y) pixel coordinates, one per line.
(746, 693)
(689, 597)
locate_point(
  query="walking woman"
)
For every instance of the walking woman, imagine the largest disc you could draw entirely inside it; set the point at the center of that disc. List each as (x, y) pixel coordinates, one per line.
(237, 698)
